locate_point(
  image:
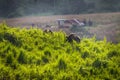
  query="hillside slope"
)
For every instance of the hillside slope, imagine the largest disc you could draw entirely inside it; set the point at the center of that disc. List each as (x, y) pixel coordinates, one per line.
(27, 54)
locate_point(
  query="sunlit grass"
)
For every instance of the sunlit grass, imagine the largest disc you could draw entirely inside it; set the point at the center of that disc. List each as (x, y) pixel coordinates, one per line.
(27, 54)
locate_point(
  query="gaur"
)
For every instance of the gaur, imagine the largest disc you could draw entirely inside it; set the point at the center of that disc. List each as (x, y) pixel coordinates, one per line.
(47, 31)
(72, 37)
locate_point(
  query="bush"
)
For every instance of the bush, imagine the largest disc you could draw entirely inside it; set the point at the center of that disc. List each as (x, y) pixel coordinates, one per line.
(28, 54)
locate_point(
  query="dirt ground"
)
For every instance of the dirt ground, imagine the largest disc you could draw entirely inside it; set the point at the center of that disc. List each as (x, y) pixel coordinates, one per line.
(104, 24)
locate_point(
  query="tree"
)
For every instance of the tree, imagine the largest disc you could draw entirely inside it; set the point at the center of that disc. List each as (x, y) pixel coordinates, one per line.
(71, 6)
(15, 8)
(109, 5)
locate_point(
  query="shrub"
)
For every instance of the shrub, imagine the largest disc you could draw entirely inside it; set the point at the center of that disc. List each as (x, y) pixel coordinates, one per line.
(27, 54)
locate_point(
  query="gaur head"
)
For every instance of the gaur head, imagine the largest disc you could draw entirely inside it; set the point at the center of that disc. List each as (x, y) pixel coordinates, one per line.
(47, 31)
(72, 37)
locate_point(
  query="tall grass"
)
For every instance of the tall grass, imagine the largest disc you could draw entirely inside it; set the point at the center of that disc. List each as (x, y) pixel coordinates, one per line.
(31, 54)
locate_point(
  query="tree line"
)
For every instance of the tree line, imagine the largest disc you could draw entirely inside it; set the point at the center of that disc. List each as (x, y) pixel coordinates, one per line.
(18, 8)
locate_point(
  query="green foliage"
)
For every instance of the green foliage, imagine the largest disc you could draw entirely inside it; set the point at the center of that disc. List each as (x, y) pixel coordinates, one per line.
(18, 8)
(62, 64)
(12, 39)
(9, 59)
(22, 58)
(29, 54)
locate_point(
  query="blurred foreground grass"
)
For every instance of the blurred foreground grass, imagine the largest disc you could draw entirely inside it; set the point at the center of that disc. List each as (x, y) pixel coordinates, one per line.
(31, 54)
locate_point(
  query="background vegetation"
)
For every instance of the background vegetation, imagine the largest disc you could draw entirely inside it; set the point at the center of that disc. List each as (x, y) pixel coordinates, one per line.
(18, 8)
(31, 54)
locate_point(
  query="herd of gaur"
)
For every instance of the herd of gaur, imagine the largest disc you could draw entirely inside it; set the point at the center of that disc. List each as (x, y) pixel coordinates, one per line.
(70, 38)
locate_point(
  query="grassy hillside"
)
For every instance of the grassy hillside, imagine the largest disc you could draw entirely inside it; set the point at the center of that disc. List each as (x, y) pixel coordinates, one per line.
(31, 54)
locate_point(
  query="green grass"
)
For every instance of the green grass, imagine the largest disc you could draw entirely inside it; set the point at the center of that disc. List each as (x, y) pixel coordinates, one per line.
(31, 54)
